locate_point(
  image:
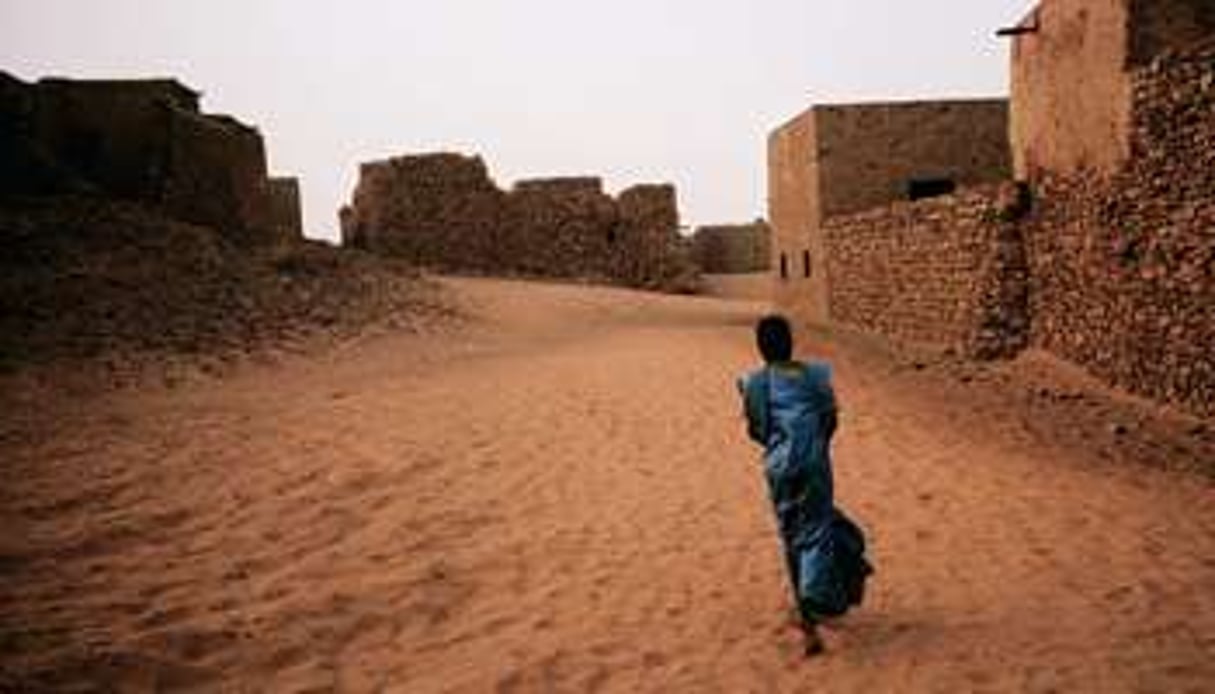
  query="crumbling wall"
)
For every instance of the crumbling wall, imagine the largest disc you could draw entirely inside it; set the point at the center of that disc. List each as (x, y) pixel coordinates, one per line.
(650, 251)
(733, 248)
(559, 227)
(286, 213)
(443, 211)
(216, 176)
(947, 271)
(440, 210)
(1123, 266)
(138, 140)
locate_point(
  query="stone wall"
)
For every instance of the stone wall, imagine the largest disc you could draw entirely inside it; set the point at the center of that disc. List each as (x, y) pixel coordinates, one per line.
(1123, 266)
(948, 271)
(445, 212)
(559, 227)
(139, 140)
(286, 212)
(840, 159)
(733, 248)
(215, 175)
(439, 210)
(1160, 26)
(870, 154)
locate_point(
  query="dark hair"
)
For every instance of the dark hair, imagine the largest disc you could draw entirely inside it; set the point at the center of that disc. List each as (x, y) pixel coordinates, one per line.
(774, 338)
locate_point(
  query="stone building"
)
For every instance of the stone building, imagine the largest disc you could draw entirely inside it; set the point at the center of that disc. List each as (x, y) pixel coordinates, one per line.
(841, 159)
(1114, 129)
(733, 248)
(1101, 251)
(444, 211)
(1073, 65)
(141, 140)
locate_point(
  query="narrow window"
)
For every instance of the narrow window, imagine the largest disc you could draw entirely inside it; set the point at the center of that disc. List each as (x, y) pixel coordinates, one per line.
(805, 263)
(784, 266)
(920, 188)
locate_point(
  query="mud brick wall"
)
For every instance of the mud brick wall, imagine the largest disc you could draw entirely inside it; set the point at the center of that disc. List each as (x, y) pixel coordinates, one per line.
(562, 227)
(649, 252)
(216, 176)
(445, 212)
(440, 210)
(1123, 266)
(139, 140)
(947, 271)
(733, 248)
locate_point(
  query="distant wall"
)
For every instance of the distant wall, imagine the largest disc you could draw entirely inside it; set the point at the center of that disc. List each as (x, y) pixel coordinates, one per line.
(439, 210)
(141, 140)
(444, 211)
(286, 211)
(216, 176)
(733, 248)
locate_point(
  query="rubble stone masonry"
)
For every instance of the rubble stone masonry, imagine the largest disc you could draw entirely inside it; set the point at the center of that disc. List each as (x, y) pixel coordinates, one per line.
(1123, 266)
(443, 211)
(947, 271)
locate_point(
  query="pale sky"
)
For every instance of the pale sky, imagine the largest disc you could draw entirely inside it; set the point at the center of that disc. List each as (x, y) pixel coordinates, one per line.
(634, 91)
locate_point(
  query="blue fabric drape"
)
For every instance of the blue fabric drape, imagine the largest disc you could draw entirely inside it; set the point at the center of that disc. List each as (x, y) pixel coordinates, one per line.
(791, 412)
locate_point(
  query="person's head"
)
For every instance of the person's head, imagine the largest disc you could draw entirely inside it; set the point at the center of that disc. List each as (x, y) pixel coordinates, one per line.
(774, 338)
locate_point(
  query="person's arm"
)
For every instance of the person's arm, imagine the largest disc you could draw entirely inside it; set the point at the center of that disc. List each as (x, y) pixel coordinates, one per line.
(755, 408)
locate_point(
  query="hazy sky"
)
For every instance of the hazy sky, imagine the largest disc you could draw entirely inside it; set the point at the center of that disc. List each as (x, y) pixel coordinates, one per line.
(631, 90)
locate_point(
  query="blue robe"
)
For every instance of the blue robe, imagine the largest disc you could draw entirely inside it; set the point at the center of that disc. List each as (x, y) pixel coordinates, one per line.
(791, 412)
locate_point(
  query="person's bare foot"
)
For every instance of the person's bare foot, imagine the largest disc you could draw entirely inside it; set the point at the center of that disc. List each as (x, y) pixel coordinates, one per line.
(813, 643)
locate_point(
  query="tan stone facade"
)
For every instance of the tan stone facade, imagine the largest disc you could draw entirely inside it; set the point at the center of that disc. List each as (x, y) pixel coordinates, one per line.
(443, 211)
(1122, 260)
(141, 140)
(836, 160)
(1103, 254)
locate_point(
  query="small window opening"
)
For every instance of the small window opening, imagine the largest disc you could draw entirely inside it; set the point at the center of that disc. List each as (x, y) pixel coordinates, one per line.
(611, 235)
(805, 263)
(920, 188)
(784, 266)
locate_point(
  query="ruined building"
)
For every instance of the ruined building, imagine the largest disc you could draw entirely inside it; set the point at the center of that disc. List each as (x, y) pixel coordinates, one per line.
(444, 211)
(139, 140)
(1097, 246)
(733, 248)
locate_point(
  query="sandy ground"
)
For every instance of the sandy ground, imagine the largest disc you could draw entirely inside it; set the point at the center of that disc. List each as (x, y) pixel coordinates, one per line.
(748, 286)
(560, 497)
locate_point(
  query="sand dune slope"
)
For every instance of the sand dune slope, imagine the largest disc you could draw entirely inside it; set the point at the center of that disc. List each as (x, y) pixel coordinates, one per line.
(559, 497)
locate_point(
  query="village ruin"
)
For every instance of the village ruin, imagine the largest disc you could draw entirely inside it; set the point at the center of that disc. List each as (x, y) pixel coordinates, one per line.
(144, 141)
(444, 211)
(1092, 240)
